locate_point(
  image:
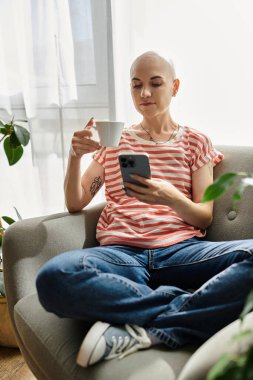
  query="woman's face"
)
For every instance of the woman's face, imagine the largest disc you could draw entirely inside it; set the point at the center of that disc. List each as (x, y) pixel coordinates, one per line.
(152, 86)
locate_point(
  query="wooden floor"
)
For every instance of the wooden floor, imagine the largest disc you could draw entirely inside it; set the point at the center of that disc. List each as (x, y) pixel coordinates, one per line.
(13, 366)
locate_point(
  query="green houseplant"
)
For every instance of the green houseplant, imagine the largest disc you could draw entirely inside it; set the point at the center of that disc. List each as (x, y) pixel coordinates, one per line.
(239, 365)
(14, 137)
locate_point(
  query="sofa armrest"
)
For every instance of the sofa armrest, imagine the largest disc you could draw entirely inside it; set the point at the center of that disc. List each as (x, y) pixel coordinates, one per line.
(229, 222)
(29, 243)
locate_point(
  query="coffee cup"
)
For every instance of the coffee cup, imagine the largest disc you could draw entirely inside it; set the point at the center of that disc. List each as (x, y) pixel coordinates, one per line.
(107, 133)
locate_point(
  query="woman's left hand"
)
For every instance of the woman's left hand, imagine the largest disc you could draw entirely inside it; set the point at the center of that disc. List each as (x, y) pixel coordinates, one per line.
(154, 192)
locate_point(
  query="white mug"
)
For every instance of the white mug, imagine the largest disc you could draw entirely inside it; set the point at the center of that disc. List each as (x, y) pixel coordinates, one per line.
(107, 133)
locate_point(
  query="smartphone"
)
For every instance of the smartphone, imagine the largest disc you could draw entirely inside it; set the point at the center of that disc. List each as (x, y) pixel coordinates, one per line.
(135, 163)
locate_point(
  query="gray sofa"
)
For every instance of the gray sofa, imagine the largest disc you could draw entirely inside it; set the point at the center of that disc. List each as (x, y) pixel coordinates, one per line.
(50, 344)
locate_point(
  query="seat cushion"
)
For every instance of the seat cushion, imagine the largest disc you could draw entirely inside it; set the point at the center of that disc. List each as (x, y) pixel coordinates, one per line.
(53, 344)
(209, 353)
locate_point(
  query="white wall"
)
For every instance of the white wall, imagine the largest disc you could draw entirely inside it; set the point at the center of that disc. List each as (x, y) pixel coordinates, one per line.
(210, 42)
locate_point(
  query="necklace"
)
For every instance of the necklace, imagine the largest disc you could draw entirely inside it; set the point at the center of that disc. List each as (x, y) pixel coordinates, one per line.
(173, 134)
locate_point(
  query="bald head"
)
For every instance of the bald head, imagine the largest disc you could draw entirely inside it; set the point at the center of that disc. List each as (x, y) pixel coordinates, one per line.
(150, 57)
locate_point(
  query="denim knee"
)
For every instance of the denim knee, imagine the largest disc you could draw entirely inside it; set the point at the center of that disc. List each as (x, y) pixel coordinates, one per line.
(51, 284)
(46, 286)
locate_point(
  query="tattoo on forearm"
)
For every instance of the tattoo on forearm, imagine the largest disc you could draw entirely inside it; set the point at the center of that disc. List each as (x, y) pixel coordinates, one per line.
(95, 186)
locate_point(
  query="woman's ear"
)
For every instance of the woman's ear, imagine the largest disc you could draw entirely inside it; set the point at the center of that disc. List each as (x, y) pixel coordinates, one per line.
(176, 84)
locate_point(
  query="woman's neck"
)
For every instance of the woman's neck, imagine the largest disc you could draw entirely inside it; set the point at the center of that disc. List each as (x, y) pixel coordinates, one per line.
(158, 131)
(159, 125)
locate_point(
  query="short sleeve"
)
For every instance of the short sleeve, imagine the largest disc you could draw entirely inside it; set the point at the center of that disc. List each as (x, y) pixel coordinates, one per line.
(100, 156)
(203, 152)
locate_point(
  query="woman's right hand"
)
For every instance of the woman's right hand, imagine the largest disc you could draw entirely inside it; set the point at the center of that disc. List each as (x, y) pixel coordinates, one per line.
(82, 142)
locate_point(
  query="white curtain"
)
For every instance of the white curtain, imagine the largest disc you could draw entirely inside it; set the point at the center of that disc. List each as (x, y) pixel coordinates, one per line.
(46, 52)
(38, 59)
(210, 43)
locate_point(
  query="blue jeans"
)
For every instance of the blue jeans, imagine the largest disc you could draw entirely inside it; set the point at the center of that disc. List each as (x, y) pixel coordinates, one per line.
(180, 294)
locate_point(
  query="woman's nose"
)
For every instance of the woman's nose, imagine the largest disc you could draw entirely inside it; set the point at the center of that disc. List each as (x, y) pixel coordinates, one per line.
(145, 92)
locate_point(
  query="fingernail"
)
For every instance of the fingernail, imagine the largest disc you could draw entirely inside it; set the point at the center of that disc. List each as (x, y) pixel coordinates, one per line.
(90, 122)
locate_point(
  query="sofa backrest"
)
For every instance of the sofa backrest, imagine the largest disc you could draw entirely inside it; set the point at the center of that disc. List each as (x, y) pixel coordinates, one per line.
(229, 223)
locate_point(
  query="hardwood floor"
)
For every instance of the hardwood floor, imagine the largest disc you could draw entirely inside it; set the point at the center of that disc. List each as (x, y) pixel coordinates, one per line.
(13, 366)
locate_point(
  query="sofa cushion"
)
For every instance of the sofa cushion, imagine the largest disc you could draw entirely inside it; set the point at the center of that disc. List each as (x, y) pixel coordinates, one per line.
(56, 341)
(209, 353)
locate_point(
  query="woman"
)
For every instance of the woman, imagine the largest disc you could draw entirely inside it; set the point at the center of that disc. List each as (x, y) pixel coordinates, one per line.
(134, 287)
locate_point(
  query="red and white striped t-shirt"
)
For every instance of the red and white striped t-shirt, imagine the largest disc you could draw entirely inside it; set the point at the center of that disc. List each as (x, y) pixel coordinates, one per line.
(126, 220)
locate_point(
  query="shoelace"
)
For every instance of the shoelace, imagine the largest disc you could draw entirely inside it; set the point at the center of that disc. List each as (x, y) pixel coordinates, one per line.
(123, 346)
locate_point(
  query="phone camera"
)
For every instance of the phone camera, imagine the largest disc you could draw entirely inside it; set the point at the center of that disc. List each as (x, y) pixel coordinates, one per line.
(131, 163)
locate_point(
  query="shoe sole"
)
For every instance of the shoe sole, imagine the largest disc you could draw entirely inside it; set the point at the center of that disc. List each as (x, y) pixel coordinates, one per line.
(90, 342)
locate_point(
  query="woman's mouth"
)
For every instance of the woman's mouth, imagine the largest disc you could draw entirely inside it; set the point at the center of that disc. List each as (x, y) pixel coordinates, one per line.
(147, 104)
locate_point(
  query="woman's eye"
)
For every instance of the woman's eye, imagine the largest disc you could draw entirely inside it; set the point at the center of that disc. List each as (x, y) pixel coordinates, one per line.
(156, 84)
(136, 85)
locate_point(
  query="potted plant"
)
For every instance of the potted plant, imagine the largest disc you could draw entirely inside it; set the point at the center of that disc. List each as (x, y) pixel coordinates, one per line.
(13, 136)
(238, 365)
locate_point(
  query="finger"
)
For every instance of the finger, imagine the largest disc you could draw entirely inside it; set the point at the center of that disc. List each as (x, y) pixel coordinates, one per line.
(141, 197)
(136, 191)
(90, 123)
(143, 180)
(137, 188)
(133, 194)
(84, 147)
(84, 139)
(83, 133)
(87, 142)
(130, 193)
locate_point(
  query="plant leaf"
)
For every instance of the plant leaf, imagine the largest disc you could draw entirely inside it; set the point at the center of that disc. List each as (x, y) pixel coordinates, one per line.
(8, 220)
(248, 306)
(244, 183)
(7, 148)
(2, 123)
(13, 155)
(218, 369)
(228, 367)
(219, 186)
(18, 153)
(237, 195)
(14, 142)
(8, 128)
(248, 366)
(22, 134)
(242, 335)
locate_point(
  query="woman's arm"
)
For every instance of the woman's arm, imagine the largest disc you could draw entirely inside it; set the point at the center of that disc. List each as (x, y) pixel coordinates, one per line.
(192, 211)
(78, 190)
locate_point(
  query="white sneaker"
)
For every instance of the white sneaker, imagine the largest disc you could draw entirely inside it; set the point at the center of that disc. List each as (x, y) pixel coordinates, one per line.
(104, 341)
